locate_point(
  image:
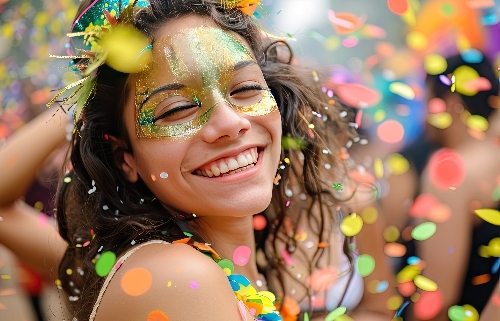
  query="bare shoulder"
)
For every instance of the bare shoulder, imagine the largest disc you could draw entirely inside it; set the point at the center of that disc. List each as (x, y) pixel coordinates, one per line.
(172, 279)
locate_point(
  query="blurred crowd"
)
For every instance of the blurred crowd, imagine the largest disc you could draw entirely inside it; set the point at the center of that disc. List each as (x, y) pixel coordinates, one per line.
(428, 107)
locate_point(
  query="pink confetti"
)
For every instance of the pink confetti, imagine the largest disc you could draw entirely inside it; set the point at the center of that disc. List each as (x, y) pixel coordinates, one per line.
(338, 21)
(193, 285)
(478, 84)
(43, 220)
(243, 310)
(423, 205)
(106, 136)
(436, 106)
(241, 255)
(86, 244)
(350, 42)
(286, 256)
(446, 168)
(358, 96)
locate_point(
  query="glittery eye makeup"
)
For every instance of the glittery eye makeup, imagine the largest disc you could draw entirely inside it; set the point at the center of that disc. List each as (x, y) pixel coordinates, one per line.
(190, 74)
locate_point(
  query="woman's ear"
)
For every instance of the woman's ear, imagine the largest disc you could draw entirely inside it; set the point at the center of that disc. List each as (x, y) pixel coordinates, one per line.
(124, 159)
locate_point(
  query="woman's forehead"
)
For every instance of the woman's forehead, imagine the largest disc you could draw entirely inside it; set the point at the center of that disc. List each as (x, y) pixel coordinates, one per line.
(205, 52)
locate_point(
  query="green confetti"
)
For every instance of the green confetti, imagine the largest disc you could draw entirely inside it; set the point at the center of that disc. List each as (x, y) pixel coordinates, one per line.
(188, 234)
(105, 263)
(365, 264)
(456, 313)
(337, 187)
(306, 317)
(67, 180)
(447, 9)
(226, 264)
(336, 313)
(424, 231)
(278, 14)
(496, 194)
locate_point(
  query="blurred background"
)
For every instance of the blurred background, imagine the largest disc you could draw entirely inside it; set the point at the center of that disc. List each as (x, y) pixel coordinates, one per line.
(375, 55)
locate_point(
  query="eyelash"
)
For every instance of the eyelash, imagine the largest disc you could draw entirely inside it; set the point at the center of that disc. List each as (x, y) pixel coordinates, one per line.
(181, 108)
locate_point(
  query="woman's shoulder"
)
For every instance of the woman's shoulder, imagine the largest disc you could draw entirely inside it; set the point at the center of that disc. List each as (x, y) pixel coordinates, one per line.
(171, 280)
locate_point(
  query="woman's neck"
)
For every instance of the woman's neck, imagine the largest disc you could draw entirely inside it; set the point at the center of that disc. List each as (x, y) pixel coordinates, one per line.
(225, 234)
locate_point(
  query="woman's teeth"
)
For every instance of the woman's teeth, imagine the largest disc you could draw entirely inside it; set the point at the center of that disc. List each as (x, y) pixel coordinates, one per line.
(230, 165)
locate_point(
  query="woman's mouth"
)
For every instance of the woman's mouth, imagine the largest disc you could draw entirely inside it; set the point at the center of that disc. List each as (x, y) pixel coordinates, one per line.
(230, 165)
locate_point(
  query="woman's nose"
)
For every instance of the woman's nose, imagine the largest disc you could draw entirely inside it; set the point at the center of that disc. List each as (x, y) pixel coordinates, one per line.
(224, 123)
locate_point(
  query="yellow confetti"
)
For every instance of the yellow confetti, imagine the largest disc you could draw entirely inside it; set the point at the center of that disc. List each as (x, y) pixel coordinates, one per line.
(351, 225)
(394, 302)
(425, 284)
(416, 40)
(494, 247)
(379, 115)
(391, 233)
(378, 167)
(477, 122)
(489, 215)
(398, 164)
(402, 90)
(441, 120)
(332, 43)
(463, 75)
(369, 215)
(470, 312)
(408, 273)
(435, 64)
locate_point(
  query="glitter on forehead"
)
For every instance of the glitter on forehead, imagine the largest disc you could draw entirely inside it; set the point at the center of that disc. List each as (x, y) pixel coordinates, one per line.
(202, 60)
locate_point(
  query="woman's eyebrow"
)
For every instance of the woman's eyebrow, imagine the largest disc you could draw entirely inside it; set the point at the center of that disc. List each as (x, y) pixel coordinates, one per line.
(243, 64)
(163, 88)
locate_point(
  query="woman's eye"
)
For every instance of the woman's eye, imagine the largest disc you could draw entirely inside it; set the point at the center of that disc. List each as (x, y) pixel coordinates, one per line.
(247, 91)
(176, 111)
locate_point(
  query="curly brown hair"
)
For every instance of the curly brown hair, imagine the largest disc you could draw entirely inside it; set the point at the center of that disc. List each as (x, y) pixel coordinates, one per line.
(118, 214)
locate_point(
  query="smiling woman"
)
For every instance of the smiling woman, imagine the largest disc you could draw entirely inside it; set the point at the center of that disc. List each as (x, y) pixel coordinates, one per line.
(177, 148)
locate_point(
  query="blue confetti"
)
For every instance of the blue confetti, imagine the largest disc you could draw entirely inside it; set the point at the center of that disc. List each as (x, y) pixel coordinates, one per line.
(496, 266)
(412, 260)
(490, 19)
(472, 56)
(382, 286)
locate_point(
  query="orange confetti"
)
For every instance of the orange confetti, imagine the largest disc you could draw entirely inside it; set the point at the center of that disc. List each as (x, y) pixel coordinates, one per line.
(136, 281)
(182, 241)
(394, 249)
(157, 315)
(153, 178)
(322, 245)
(481, 279)
(6, 292)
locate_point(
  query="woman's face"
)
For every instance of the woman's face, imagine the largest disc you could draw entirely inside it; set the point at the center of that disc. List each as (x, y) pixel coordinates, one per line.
(203, 115)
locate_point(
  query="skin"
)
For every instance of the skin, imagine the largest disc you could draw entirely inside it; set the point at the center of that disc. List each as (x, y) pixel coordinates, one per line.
(225, 224)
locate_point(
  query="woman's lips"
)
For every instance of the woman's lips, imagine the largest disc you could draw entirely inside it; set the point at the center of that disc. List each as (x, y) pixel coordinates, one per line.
(230, 165)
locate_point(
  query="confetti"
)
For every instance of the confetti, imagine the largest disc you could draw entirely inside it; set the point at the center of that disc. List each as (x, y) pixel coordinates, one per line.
(397, 164)
(424, 231)
(394, 302)
(416, 40)
(193, 285)
(136, 281)
(157, 315)
(394, 249)
(472, 56)
(391, 131)
(369, 215)
(227, 266)
(425, 284)
(163, 175)
(336, 313)
(436, 106)
(402, 90)
(456, 313)
(287, 258)
(241, 255)
(365, 264)
(446, 168)
(481, 279)
(406, 288)
(441, 120)
(429, 305)
(382, 286)
(445, 80)
(477, 122)
(391, 233)
(259, 222)
(463, 75)
(351, 225)
(398, 6)
(105, 263)
(489, 215)
(435, 64)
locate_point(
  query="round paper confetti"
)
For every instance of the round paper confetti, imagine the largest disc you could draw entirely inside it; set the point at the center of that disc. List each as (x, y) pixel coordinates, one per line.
(391, 131)
(241, 255)
(425, 284)
(394, 249)
(398, 6)
(416, 40)
(472, 56)
(369, 215)
(157, 315)
(136, 281)
(335, 313)
(424, 231)
(489, 215)
(357, 95)
(394, 302)
(456, 313)
(351, 225)
(439, 213)
(259, 222)
(105, 263)
(470, 312)
(382, 286)
(365, 264)
(406, 288)
(463, 75)
(435, 64)
(494, 247)
(163, 175)
(446, 168)
(398, 164)
(391, 233)
(422, 205)
(441, 120)
(193, 285)
(429, 305)
(408, 273)
(436, 106)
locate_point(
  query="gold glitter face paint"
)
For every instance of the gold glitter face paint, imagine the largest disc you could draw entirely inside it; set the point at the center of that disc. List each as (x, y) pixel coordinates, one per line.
(190, 74)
